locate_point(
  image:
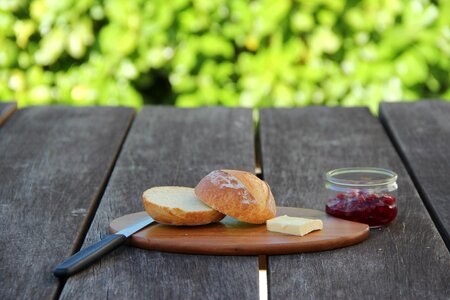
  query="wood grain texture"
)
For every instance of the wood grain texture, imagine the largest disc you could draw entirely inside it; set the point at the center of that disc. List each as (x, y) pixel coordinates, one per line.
(421, 133)
(54, 162)
(233, 237)
(6, 110)
(406, 260)
(169, 146)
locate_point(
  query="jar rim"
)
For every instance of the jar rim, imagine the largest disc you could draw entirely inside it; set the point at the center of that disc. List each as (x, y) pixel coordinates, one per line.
(387, 177)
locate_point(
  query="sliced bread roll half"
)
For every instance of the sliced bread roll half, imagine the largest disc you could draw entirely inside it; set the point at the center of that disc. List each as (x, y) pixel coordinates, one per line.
(238, 194)
(176, 205)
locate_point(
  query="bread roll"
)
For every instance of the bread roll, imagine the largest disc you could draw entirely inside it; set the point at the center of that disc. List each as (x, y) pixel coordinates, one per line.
(175, 205)
(238, 194)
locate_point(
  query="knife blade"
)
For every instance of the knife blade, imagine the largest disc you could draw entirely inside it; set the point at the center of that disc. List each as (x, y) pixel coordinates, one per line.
(89, 255)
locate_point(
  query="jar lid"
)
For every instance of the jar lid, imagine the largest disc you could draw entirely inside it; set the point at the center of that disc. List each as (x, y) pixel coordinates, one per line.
(361, 177)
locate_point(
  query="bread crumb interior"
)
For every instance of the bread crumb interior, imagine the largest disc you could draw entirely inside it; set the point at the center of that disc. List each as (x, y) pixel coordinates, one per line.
(176, 197)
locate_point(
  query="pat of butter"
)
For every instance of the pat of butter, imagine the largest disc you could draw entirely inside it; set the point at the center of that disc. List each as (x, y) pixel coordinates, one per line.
(292, 225)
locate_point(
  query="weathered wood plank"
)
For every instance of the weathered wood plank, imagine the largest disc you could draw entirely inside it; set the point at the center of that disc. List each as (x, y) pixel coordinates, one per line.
(170, 146)
(406, 260)
(54, 163)
(6, 110)
(421, 133)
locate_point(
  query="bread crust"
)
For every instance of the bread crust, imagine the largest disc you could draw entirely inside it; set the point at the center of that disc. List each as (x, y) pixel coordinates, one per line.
(176, 216)
(238, 194)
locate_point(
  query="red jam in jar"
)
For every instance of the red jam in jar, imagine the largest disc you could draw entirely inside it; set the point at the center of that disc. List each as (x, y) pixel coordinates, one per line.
(364, 195)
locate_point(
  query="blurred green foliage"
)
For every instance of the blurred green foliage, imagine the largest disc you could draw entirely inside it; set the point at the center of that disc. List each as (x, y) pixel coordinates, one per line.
(224, 52)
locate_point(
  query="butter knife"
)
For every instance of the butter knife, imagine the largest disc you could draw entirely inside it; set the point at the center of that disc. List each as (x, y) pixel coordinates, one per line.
(89, 255)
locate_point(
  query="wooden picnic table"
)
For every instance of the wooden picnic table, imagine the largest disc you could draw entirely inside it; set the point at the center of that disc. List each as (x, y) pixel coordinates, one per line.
(66, 173)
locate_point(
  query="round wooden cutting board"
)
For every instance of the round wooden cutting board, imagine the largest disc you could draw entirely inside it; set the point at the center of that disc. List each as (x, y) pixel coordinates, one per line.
(232, 237)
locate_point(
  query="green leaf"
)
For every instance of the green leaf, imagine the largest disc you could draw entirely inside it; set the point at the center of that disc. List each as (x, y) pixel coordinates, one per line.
(411, 68)
(324, 40)
(80, 38)
(51, 47)
(8, 53)
(7, 22)
(115, 39)
(302, 22)
(23, 30)
(326, 17)
(215, 45)
(187, 100)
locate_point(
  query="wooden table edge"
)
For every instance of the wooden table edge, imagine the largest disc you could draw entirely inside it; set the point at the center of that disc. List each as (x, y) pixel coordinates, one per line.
(7, 112)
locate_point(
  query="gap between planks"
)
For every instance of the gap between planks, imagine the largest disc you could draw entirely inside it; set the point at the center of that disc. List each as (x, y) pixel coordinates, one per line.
(430, 209)
(263, 279)
(257, 145)
(262, 259)
(93, 209)
(78, 243)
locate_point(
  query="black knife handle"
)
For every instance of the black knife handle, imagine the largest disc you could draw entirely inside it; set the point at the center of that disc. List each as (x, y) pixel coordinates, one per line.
(87, 256)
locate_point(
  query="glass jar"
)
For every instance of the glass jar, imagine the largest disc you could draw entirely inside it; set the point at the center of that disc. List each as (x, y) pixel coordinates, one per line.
(364, 195)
